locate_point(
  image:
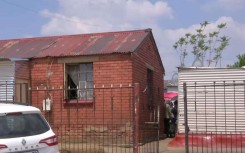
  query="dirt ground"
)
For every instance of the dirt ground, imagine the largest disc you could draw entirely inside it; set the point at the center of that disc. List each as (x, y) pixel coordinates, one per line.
(94, 148)
(163, 147)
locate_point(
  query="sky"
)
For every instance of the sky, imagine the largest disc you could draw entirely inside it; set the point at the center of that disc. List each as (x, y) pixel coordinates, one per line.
(168, 19)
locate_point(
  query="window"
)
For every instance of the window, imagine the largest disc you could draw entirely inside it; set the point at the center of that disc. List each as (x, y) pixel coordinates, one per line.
(150, 87)
(23, 125)
(80, 83)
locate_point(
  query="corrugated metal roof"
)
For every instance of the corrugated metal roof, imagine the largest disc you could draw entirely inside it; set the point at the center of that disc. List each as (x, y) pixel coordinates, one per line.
(73, 45)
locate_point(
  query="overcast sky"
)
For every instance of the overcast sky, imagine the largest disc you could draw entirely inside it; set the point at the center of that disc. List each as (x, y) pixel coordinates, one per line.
(169, 20)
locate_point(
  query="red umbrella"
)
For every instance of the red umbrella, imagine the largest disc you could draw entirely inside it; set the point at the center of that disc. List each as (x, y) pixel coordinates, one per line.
(170, 95)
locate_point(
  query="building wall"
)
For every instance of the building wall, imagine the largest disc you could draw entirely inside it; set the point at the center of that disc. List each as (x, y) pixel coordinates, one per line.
(40, 81)
(172, 89)
(22, 81)
(111, 74)
(7, 76)
(22, 70)
(215, 97)
(14, 79)
(147, 57)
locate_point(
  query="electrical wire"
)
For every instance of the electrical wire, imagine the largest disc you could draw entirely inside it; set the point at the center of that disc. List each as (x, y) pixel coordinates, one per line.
(16, 5)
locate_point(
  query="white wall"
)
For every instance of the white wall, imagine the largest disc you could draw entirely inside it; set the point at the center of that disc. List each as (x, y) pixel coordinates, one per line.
(6, 74)
(213, 108)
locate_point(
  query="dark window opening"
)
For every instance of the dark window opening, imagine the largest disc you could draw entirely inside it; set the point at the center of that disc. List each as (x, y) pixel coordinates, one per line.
(80, 81)
(150, 87)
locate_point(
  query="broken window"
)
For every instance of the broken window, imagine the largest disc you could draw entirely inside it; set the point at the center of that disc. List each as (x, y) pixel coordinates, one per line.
(80, 83)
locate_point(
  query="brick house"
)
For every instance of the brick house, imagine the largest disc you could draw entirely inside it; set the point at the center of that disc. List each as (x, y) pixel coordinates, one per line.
(92, 62)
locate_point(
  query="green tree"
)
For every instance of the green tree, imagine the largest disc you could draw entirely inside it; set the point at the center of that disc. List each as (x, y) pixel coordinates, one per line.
(206, 47)
(240, 62)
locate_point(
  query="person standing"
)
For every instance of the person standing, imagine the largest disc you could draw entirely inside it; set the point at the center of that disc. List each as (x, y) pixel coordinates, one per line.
(167, 119)
(175, 111)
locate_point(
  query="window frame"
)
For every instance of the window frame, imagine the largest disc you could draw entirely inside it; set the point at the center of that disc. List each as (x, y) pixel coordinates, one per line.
(79, 73)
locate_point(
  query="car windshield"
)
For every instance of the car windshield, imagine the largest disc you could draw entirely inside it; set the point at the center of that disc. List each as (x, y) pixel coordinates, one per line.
(22, 125)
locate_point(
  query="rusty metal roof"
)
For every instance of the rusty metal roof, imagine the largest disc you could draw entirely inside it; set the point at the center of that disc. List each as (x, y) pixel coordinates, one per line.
(73, 45)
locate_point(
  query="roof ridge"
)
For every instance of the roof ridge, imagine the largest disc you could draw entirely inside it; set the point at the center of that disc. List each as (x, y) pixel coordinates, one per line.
(75, 35)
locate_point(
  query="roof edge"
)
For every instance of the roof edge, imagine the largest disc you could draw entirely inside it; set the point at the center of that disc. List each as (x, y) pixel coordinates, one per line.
(76, 35)
(203, 68)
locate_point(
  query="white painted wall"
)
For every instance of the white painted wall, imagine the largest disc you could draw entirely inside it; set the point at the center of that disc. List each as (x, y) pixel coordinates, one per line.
(7, 70)
(210, 108)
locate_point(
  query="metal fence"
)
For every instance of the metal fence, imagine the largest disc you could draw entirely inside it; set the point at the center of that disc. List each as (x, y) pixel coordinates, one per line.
(112, 121)
(214, 116)
(14, 92)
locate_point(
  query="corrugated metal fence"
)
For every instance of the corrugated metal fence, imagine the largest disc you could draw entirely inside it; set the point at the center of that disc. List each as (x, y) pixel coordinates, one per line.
(6, 77)
(14, 92)
(214, 116)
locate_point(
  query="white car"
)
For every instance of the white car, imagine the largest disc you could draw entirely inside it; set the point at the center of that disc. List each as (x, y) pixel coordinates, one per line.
(24, 130)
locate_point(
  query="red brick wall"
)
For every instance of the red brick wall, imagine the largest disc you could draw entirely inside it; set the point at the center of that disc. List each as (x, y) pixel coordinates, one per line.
(40, 82)
(113, 69)
(111, 105)
(148, 57)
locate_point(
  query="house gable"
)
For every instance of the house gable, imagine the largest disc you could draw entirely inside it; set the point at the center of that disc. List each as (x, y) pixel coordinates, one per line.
(151, 46)
(148, 71)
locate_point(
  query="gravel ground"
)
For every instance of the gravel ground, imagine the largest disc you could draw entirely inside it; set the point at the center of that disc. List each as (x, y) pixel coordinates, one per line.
(79, 148)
